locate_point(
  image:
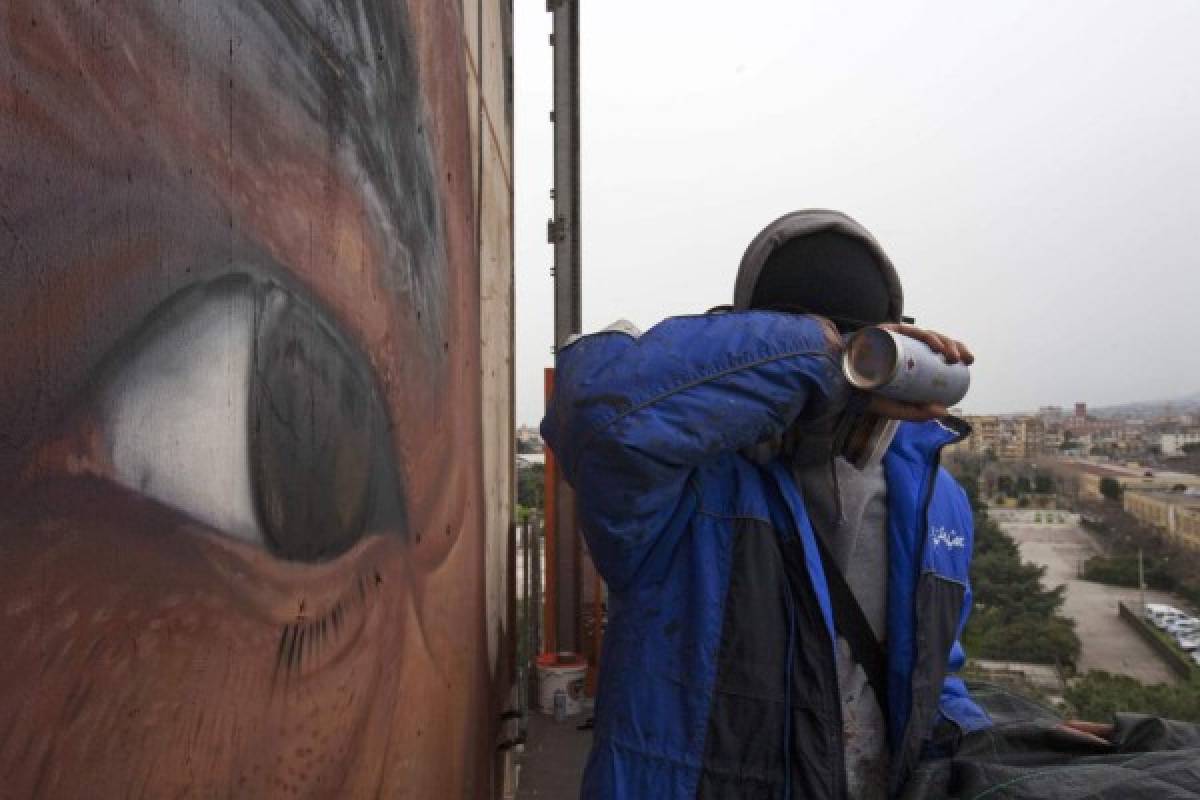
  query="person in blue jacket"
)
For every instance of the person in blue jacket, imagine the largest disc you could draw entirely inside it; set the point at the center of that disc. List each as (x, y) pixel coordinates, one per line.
(781, 624)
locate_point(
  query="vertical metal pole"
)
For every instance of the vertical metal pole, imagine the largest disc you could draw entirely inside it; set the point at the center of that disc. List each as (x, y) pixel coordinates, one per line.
(531, 611)
(522, 592)
(536, 589)
(564, 233)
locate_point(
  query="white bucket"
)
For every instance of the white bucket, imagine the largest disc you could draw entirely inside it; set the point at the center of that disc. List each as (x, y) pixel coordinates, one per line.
(561, 671)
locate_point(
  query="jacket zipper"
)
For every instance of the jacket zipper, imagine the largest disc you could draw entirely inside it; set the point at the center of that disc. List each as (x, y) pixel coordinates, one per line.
(837, 735)
(926, 500)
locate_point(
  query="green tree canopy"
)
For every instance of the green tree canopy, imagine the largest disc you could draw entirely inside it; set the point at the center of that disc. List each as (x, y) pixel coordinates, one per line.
(1098, 694)
(531, 486)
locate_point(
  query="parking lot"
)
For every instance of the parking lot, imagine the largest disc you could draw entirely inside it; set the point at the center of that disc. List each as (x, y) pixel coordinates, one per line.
(1108, 642)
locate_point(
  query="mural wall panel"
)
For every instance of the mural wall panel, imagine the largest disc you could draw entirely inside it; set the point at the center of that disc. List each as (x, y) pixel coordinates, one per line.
(244, 542)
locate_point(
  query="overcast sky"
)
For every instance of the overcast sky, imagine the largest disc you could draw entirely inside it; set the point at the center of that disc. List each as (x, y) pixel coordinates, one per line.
(1032, 168)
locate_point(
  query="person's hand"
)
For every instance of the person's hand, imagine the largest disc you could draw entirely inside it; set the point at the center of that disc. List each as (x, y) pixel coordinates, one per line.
(1096, 732)
(952, 350)
(832, 337)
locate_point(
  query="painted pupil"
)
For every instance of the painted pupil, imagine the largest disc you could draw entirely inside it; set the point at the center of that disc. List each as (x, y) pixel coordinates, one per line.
(315, 417)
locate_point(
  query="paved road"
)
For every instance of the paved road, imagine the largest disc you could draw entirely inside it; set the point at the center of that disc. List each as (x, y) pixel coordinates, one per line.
(1108, 642)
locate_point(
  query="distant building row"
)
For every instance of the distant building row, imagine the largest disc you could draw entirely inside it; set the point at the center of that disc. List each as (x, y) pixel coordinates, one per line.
(529, 440)
(1012, 437)
(1172, 444)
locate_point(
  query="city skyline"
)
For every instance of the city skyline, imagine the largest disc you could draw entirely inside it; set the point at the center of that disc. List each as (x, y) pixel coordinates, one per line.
(1182, 403)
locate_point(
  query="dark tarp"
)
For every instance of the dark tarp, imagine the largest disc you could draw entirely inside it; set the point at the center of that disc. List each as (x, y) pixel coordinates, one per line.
(1027, 755)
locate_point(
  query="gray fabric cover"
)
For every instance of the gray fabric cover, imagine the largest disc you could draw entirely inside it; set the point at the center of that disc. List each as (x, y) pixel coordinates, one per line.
(803, 223)
(1028, 756)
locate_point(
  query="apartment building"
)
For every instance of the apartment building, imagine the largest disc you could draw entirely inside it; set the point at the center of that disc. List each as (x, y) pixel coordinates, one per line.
(1008, 438)
(1175, 512)
(1171, 444)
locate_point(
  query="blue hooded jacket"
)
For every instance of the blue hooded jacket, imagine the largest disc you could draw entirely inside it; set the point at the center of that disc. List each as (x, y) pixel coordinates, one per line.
(718, 676)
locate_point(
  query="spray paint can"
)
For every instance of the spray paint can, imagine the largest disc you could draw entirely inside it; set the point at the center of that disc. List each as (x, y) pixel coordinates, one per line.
(560, 705)
(902, 368)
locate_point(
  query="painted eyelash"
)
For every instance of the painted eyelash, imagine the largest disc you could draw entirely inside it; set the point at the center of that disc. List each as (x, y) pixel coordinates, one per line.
(302, 640)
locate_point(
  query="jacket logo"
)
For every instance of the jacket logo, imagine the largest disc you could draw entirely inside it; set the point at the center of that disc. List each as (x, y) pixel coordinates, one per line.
(946, 537)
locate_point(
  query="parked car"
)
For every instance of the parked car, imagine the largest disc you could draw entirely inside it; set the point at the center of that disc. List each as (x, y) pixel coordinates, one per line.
(1156, 608)
(1185, 625)
(1166, 616)
(1189, 641)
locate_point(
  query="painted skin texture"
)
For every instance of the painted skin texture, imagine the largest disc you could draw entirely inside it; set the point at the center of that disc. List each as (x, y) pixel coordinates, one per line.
(317, 152)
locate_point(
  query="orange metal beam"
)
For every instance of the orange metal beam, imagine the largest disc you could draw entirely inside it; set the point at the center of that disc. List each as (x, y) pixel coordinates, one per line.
(550, 574)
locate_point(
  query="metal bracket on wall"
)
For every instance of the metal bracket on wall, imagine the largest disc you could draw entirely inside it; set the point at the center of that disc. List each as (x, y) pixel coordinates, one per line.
(556, 230)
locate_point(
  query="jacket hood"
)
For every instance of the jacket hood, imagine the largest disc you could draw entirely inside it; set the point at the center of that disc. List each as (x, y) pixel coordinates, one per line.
(805, 223)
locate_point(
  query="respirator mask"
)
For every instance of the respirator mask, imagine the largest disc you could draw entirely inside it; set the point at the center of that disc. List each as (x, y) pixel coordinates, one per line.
(854, 433)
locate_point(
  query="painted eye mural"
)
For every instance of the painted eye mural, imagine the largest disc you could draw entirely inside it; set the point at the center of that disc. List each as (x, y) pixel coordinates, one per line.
(240, 405)
(255, 403)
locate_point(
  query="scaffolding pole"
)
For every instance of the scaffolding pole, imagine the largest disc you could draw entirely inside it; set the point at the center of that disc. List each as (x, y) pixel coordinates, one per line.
(563, 231)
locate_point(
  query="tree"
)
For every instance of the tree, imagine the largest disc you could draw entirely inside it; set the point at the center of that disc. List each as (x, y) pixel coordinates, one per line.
(1122, 570)
(1098, 694)
(1110, 488)
(531, 486)
(1032, 638)
(970, 484)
